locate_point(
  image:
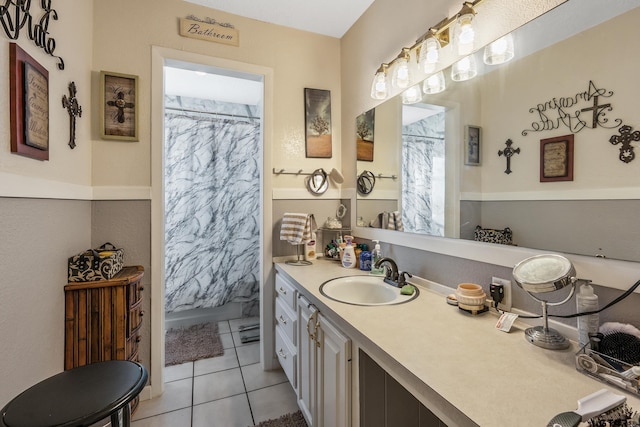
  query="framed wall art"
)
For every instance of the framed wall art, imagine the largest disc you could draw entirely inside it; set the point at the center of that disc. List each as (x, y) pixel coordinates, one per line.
(556, 159)
(365, 132)
(29, 105)
(118, 106)
(317, 128)
(472, 144)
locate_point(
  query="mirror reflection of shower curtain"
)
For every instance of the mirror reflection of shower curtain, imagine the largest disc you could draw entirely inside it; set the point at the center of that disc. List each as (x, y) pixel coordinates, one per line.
(212, 207)
(423, 173)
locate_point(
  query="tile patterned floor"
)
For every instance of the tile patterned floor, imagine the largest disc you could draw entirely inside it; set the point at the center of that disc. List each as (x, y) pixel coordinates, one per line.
(226, 391)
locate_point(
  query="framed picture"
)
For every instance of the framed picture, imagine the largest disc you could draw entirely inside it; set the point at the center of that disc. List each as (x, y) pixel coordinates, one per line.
(118, 106)
(317, 129)
(365, 131)
(29, 105)
(472, 144)
(556, 159)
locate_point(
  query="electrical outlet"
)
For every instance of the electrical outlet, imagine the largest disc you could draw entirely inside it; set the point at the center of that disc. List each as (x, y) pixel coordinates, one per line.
(506, 301)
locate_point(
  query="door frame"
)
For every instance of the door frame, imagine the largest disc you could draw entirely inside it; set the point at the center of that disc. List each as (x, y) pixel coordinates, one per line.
(159, 56)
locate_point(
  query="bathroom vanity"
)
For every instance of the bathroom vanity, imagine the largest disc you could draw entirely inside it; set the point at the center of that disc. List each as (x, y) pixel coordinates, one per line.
(460, 370)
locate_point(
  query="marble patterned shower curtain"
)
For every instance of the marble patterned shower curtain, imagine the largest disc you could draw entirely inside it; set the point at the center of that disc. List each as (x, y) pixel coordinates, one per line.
(423, 155)
(212, 204)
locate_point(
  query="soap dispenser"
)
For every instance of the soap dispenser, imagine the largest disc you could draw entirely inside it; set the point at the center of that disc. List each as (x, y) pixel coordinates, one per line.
(376, 255)
(587, 300)
(349, 255)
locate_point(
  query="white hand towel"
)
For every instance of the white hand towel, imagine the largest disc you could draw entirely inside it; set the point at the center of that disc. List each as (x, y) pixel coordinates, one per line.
(296, 227)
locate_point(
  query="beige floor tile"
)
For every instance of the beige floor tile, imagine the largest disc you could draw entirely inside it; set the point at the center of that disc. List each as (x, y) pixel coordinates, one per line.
(177, 395)
(272, 402)
(178, 372)
(228, 360)
(223, 327)
(227, 340)
(217, 385)
(249, 353)
(229, 412)
(180, 418)
(255, 377)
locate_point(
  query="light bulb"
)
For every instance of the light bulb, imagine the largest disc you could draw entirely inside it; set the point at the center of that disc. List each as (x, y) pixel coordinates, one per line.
(465, 69)
(401, 75)
(412, 95)
(379, 88)
(429, 54)
(464, 34)
(434, 84)
(500, 51)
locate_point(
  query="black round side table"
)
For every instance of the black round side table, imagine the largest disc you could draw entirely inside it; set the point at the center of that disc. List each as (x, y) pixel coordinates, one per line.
(78, 397)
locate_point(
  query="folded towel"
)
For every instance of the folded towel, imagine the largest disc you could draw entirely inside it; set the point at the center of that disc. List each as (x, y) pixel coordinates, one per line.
(395, 221)
(297, 227)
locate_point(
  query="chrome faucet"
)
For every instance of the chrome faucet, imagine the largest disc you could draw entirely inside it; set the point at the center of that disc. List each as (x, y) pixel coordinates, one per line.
(391, 275)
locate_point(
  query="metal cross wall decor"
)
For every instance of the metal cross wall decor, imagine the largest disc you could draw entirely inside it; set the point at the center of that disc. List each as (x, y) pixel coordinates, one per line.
(74, 110)
(625, 138)
(508, 153)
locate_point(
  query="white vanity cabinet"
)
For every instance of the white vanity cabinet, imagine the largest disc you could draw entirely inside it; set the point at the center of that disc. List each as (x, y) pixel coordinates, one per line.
(324, 369)
(286, 327)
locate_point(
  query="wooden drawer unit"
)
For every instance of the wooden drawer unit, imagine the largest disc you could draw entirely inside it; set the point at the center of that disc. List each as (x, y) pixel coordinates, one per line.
(286, 319)
(103, 319)
(286, 356)
(286, 292)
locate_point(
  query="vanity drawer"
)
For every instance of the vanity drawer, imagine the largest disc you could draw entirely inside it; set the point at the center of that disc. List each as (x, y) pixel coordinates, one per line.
(286, 319)
(286, 356)
(286, 291)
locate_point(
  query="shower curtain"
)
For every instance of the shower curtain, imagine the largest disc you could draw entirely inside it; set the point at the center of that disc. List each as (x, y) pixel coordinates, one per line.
(423, 155)
(212, 204)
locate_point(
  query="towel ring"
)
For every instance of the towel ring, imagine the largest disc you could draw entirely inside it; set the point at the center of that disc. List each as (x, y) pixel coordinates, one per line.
(317, 182)
(366, 181)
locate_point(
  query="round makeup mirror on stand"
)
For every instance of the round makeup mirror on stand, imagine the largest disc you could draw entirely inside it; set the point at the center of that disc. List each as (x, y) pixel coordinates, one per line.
(542, 274)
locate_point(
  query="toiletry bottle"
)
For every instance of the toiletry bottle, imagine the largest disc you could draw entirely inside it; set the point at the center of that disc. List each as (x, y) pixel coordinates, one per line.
(310, 248)
(348, 254)
(376, 254)
(365, 261)
(586, 300)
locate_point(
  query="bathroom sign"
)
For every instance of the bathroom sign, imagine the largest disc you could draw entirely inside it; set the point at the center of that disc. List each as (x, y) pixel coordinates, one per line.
(209, 30)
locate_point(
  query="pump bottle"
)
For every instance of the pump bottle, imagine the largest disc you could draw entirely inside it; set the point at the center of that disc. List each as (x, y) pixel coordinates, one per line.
(376, 255)
(348, 255)
(586, 300)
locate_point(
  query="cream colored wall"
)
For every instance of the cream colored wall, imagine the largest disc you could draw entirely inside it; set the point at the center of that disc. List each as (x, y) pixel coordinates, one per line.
(299, 59)
(564, 70)
(74, 43)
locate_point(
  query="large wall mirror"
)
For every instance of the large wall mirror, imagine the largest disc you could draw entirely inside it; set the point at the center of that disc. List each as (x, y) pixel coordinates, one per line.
(441, 166)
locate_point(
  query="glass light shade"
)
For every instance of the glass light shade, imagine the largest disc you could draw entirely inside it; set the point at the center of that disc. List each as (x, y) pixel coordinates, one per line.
(500, 51)
(464, 34)
(434, 84)
(429, 54)
(412, 95)
(465, 69)
(379, 89)
(401, 74)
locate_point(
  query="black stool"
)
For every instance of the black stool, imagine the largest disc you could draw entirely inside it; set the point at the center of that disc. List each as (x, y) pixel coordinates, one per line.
(78, 397)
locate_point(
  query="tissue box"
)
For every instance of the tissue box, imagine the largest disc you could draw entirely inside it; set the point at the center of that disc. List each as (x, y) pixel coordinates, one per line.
(96, 264)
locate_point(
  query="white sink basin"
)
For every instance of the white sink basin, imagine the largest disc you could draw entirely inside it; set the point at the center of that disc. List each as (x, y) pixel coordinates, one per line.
(364, 290)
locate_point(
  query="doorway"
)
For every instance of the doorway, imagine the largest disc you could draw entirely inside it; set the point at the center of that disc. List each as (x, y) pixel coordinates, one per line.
(161, 59)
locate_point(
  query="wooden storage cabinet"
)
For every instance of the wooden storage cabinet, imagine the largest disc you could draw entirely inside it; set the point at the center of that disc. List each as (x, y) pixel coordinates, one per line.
(103, 319)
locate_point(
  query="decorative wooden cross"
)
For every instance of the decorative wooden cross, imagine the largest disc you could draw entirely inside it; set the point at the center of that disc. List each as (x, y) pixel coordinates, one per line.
(508, 153)
(120, 104)
(625, 137)
(74, 110)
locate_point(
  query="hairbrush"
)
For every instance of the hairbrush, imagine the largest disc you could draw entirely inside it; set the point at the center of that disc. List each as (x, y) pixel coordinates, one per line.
(590, 406)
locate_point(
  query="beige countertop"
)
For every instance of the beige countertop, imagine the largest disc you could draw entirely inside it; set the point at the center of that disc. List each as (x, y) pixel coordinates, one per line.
(493, 378)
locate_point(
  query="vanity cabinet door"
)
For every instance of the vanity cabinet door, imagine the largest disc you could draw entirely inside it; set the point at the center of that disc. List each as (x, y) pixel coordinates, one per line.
(334, 376)
(307, 356)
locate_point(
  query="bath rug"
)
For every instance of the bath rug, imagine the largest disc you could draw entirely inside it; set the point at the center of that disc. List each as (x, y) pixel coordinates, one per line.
(192, 343)
(295, 419)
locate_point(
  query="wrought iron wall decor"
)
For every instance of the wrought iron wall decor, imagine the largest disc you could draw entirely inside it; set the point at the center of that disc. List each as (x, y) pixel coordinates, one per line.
(564, 112)
(508, 152)
(74, 109)
(16, 14)
(625, 138)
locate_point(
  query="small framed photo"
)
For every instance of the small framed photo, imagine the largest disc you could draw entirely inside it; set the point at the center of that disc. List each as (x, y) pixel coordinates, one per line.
(472, 141)
(28, 105)
(556, 159)
(119, 106)
(365, 130)
(317, 127)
